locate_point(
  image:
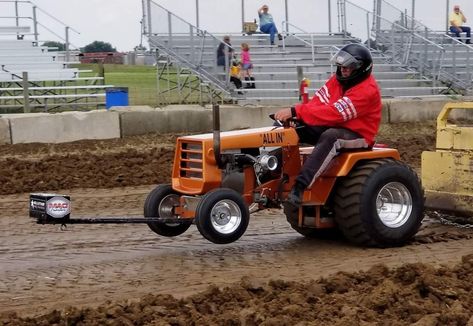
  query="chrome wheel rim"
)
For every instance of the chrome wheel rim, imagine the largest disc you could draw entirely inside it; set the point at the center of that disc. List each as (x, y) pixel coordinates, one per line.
(166, 207)
(394, 204)
(225, 216)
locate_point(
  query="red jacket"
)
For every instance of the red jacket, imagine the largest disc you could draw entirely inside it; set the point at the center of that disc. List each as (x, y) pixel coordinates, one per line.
(359, 109)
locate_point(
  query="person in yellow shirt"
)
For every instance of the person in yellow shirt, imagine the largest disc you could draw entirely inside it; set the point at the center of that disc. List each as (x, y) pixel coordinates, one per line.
(235, 75)
(457, 19)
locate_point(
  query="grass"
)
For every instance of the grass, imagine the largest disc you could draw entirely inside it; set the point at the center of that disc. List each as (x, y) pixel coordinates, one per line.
(141, 82)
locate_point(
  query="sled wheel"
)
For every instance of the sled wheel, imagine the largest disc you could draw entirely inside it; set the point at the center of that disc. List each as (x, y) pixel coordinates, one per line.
(160, 203)
(222, 216)
(379, 203)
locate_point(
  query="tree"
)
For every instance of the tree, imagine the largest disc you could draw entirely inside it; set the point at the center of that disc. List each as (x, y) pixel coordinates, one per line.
(53, 44)
(98, 46)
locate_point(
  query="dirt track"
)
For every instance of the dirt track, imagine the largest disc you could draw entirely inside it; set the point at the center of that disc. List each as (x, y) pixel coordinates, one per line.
(44, 267)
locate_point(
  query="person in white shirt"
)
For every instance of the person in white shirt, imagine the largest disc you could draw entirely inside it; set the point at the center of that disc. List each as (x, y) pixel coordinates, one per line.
(266, 23)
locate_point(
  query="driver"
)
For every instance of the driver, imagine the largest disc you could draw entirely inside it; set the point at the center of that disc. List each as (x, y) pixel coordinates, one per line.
(344, 113)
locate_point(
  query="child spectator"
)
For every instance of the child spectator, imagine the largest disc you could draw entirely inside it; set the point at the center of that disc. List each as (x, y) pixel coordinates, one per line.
(235, 75)
(247, 66)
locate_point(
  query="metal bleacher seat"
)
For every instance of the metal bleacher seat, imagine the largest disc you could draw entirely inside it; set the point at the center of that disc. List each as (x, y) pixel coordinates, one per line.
(51, 80)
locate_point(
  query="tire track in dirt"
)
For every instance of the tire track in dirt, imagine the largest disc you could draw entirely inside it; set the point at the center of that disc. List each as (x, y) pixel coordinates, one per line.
(45, 267)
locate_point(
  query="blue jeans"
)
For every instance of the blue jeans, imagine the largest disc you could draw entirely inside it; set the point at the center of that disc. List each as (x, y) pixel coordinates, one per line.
(270, 29)
(465, 29)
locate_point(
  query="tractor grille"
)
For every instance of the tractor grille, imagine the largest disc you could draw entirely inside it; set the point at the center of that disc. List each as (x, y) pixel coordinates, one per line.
(191, 160)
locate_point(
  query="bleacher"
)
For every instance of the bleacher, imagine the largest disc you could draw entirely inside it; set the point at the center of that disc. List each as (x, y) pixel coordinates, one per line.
(277, 80)
(34, 78)
(276, 67)
(437, 54)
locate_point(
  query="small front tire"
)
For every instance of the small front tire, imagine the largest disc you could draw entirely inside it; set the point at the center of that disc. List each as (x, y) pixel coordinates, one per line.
(222, 216)
(160, 203)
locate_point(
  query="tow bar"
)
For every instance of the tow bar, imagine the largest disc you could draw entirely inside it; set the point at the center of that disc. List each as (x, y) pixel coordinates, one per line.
(56, 209)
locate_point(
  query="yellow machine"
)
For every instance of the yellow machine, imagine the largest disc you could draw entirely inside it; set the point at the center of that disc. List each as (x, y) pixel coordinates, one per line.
(447, 173)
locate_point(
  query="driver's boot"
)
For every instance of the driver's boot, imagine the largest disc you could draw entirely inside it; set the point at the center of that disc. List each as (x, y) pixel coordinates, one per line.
(294, 198)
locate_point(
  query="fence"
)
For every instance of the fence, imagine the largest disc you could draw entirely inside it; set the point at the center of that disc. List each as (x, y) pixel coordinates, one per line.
(192, 53)
(411, 43)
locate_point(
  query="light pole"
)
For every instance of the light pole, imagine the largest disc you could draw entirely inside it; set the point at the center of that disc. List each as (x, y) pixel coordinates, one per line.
(287, 15)
(447, 10)
(242, 13)
(197, 13)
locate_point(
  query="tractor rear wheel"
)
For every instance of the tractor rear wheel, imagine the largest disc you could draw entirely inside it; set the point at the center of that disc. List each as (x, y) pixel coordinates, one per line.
(379, 203)
(160, 203)
(222, 216)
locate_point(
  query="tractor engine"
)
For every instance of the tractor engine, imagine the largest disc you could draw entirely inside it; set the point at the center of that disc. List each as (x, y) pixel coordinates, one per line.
(265, 162)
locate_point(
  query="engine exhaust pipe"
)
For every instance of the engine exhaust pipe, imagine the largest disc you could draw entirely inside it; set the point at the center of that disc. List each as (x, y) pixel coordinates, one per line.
(216, 134)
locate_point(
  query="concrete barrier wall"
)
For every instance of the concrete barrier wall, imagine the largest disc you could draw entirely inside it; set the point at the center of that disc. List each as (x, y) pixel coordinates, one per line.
(5, 137)
(412, 110)
(63, 127)
(128, 121)
(174, 119)
(416, 110)
(142, 120)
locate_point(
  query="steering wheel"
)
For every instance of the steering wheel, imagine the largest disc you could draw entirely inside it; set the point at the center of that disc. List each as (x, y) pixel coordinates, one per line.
(286, 124)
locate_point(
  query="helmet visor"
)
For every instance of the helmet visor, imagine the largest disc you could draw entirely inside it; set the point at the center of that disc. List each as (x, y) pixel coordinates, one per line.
(345, 59)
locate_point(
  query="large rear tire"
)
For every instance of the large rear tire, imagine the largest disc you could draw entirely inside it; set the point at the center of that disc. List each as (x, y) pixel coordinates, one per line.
(222, 216)
(160, 203)
(380, 203)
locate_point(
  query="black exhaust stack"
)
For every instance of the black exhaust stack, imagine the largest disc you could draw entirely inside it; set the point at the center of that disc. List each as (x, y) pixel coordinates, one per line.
(216, 135)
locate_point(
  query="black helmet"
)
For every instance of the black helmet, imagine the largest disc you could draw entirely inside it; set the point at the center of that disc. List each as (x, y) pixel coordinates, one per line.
(356, 56)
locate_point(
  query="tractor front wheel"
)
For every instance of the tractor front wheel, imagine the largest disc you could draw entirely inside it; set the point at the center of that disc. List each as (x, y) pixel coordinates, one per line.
(161, 202)
(379, 203)
(222, 216)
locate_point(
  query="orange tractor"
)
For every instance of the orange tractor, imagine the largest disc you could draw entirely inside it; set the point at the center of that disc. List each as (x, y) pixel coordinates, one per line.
(371, 196)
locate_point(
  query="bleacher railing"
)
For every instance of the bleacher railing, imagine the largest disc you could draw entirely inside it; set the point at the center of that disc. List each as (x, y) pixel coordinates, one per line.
(458, 64)
(416, 41)
(434, 54)
(188, 45)
(393, 14)
(411, 49)
(299, 36)
(355, 21)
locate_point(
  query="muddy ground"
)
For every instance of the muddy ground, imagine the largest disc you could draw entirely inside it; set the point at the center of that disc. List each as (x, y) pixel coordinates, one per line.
(139, 160)
(127, 275)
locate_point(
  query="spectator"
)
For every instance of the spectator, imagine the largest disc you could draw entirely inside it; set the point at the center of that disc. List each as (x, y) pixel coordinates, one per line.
(344, 113)
(266, 23)
(235, 75)
(224, 50)
(456, 21)
(247, 66)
